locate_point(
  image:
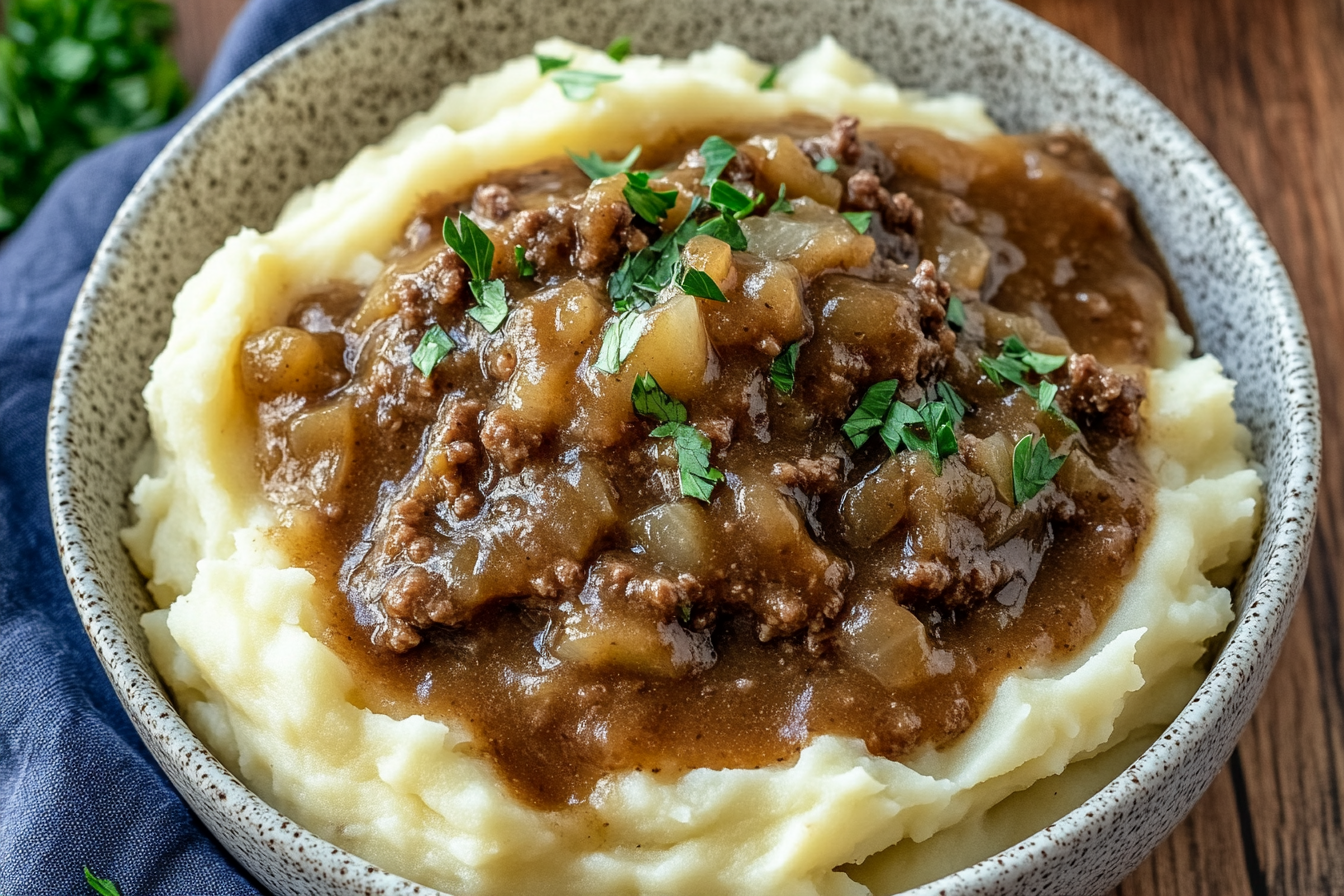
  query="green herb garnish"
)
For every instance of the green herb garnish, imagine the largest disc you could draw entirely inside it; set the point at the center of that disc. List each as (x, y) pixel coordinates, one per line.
(730, 200)
(870, 413)
(956, 314)
(597, 169)
(782, 205)
(1015, 362)
(434, 347)
(525, 267)
(858, 220)
(619, 48)
(769, 80)
(471, 245)
(492, 304)
(956, 405)
(697, 477)
(551, 63)
(717, 153)
(726, 228)
(827, 165)
(699, 284)
(101, 886)
(651, 205)
(928, 428)
(783, 367)
(1033, 467)
(579, 86)
(1014, 347)
(642, 275)
(75, 76)
(619, 340)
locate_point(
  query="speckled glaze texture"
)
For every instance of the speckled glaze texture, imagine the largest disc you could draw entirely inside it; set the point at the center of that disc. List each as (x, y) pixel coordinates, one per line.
(300, 114)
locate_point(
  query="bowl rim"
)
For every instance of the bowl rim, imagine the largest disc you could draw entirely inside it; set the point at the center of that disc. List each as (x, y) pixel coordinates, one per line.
(1264, 617)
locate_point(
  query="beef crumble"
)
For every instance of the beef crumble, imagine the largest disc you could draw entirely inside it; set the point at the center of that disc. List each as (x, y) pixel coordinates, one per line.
(509, 543)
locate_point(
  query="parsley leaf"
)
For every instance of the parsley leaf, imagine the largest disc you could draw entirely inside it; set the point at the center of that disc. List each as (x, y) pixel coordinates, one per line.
(903, 424)
(870, 413)
(956, 314)
(597, 169)
(717, 152)
(525, 267)
(579, 86)
(783, 368)
(858, 220)
(650, 400)
(99, 885)
(1013, 365)
(730, 200)
(492, 303)
(1014, 347)
(699, 284)
(471, 245)
(697, 477)
(827, 165)
(619, 340)
(726, 228)
(1033, 467)
(769, 80)
(551, 63)
(434, 347)
(956, 405)
(651, 205)
(782, 205)
(619, 48)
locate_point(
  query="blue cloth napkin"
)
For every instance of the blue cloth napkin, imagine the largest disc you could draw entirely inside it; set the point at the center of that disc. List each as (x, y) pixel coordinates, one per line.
(77, 787)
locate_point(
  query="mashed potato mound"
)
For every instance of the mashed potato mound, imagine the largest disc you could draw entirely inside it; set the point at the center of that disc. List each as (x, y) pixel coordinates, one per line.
(234, 638)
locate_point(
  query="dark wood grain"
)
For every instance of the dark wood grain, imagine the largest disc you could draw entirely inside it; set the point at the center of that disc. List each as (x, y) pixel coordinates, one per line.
(1261, 83)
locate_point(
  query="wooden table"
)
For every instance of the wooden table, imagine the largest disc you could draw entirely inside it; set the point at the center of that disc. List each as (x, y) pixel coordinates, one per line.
(1261, 83)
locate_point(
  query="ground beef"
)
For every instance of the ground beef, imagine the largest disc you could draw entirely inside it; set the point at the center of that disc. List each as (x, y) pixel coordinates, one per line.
(841, 143)
(1099, 399)
(813, 475)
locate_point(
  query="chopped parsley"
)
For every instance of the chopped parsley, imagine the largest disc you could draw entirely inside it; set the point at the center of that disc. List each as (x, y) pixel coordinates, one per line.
(492, 304)
(619, 340)
(699, 284)
(870, 413)
(434, 347)
(827, 165)
(730, 200)
(597, 169)
(717, 153)
(551, 63)
(697, 477)
(782, 205)
(619, 48)
(783, 367)
(956, 405)
(684, 613)
(579, 86)
(1033, 467)
(858, 220)
(1015, 362)
(642, 275)
(956, 314)
(101, 886)
(769, 80)
(525, 267)
(478, 253)
(651, 205)
(726, 228)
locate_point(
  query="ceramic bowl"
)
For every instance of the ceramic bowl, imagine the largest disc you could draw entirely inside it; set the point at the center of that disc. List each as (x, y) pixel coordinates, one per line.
(298, 115)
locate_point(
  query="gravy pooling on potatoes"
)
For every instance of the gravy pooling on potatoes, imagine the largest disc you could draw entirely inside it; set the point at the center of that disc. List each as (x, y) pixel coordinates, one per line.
(507, 544)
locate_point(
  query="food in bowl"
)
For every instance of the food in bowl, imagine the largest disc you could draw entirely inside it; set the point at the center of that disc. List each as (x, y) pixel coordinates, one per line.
(797, 467)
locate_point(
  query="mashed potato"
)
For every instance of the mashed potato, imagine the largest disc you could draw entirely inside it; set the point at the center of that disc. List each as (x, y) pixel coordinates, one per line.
(234, 638)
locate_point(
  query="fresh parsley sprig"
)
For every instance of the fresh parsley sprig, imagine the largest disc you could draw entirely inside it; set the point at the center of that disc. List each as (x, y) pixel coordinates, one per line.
(726, 228)
(619, 340)
(782, 205)
(1033, 467)
(1014, 364)
(860, 221)
(699, 284)
(434, 347)
(597, 169)
(871, 411)
(697, 477)
(525, 267)
(650, 204)
(930, 428)
(717, 153)
(956, 314)
(768, 81)
(580, 86)
(784, 367)
(827, 165)
(732, 201)
(552, 63)
(642, 275)
(100, 885)
(478, 253)
(619, 48)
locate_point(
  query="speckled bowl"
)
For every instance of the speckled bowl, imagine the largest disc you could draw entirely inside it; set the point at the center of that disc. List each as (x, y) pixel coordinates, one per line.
(302, 112)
